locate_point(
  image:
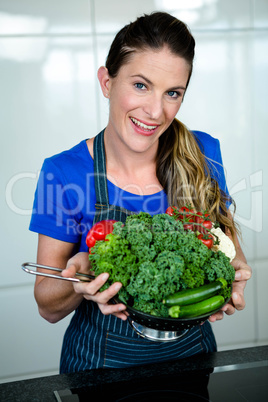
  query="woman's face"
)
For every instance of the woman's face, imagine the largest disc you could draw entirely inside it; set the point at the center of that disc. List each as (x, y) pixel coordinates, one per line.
(145, 97)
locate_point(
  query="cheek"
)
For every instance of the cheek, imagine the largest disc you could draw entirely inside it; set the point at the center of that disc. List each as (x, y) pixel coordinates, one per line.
(122, 103)
(172, 111)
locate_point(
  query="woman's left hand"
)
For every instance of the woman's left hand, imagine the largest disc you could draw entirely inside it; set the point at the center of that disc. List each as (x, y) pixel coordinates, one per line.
(237, 301)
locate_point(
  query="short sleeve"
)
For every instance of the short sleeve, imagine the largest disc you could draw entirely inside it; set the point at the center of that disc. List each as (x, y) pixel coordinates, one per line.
(56, 209)
(210, 147)
(217, 168)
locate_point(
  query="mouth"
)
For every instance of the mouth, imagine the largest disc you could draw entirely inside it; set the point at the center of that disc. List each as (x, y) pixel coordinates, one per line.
(148, 129)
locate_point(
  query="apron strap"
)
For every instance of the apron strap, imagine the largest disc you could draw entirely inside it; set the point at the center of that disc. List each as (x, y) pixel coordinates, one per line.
(100, 175)
(103, 210)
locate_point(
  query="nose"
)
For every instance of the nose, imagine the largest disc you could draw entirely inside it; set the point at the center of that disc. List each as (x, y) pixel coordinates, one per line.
(154, 107)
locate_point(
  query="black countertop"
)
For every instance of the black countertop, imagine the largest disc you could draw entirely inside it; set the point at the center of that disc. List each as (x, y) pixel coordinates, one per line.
(42, 389)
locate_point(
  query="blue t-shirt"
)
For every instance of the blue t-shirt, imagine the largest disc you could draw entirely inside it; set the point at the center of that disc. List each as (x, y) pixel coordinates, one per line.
(64, 204)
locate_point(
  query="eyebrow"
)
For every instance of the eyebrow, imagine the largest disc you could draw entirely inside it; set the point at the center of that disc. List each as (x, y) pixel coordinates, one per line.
(150, 82)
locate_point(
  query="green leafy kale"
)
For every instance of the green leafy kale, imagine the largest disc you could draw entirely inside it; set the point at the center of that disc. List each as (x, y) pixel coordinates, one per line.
(153, 256)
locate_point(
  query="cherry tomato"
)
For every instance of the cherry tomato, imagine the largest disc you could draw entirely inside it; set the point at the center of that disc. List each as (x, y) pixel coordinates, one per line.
(206, 225)
(207, 239)
(199, 217)
(185, 213)
(171, 210)
(202, 222)
(188, 226)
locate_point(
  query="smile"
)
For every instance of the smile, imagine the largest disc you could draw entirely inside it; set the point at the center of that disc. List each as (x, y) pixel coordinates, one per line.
(142, 125)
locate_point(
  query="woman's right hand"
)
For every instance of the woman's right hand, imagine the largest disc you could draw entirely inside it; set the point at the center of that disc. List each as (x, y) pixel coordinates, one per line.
(90, 290)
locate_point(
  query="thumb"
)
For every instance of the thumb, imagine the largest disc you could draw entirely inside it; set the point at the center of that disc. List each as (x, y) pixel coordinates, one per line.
(70, 270)
(78, 263)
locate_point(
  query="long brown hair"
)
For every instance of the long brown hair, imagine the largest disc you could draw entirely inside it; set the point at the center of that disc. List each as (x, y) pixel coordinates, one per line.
(187, 176)
(181, 167)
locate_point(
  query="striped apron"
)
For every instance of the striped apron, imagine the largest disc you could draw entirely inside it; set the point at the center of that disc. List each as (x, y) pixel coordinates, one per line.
(94, 340)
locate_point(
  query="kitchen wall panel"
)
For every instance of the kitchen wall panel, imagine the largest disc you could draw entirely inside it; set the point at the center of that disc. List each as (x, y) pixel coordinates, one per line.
(198, 14)
(103, 43)
(259, 187)
(42, 17)
(48, 104)
(261, 300)
(29, 344)
(260, 13)
(211, 14)
(50, 100)
(122, 13)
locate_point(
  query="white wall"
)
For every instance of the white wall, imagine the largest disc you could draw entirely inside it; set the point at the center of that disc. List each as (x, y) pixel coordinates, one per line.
(49, 101)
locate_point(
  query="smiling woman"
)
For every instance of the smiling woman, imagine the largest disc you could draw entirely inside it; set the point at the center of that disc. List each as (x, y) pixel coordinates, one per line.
(145, 96)
(144, 160)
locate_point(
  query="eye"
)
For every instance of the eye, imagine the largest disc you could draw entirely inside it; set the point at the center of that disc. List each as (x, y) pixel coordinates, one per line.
(174, 94)
(140, 85)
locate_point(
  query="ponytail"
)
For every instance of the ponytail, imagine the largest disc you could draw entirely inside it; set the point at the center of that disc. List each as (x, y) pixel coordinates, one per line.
(183, 171)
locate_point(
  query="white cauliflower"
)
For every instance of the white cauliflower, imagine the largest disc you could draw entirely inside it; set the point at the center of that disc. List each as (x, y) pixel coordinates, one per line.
(226, 245)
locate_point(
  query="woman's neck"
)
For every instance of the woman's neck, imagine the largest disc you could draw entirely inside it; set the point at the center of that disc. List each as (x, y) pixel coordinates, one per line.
(132, 171)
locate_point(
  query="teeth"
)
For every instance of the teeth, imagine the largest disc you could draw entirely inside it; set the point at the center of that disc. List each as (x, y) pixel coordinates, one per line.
(142, 125)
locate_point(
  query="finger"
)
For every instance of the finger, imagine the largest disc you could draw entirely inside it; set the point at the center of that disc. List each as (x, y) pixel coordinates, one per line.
(216, 317)
(115, 309)
(239, 285)
(242, 275)
(229, 309)
(238, 301)
(91, 288)
(105, 296)
(70, 271)
(78, 263)
(122, 316)
(243, 270)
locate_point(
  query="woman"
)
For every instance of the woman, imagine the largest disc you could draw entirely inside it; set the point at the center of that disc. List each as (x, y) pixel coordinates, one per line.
(144, 159)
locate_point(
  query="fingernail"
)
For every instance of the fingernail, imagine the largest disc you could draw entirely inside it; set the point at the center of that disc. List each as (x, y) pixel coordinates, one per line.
(237, 275)
(235, 296)
(117, 287)
(121, 308)
(105, 277)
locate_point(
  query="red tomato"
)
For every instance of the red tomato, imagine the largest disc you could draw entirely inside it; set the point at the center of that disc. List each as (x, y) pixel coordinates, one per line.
(185, 213)
(207, 239)
(206, 225)
(170, 211)
(203, 223)
(188, 226)
(199, 217)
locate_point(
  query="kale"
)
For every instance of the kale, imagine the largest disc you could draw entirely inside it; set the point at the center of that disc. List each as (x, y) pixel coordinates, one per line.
(141, 217)
(115, 257)
(155, 279)
(153, 257)
(218, 266)
(193, 277)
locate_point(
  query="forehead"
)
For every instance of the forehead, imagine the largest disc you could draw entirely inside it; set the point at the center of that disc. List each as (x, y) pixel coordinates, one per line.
(156, 63)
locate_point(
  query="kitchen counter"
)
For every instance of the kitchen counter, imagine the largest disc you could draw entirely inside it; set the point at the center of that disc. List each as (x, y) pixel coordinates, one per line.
(42, 389)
